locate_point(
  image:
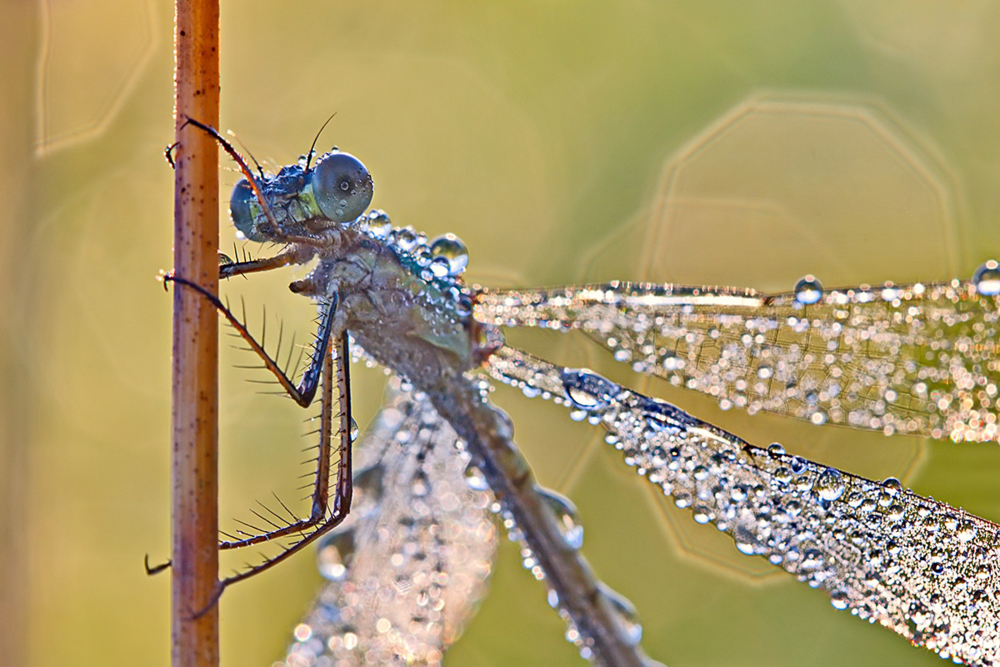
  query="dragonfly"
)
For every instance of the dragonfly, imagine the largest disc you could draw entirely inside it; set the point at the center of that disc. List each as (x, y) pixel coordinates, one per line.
(405, 532)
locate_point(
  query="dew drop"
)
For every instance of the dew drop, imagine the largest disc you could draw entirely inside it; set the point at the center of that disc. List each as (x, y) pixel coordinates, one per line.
(966, 531)
(334, 554)
(587, 390)
(986, 279)
(420, 486)
(892, 485)
(405, 239)
(440, 267)
(567, 518)
(553, 598)
(379, 223)
(799, 465)
(839, 600)
(747, 542)
(829, 485)
(475, 479)
(452, 250)
(808, 290)
(623, 612)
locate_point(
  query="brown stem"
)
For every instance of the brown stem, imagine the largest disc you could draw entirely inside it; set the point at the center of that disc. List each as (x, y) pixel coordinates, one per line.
(195, 559)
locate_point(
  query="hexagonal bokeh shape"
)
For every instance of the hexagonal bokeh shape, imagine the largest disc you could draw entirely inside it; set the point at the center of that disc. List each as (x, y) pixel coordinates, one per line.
(778, 187)
(117, 43)
(774, 189)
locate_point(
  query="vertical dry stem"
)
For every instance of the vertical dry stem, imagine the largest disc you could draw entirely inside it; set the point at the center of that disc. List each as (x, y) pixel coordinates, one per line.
(195, 561)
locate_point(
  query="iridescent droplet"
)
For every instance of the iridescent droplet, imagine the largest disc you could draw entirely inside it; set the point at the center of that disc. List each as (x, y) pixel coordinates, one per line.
(986, 279)
(567, 518)
(808, 290)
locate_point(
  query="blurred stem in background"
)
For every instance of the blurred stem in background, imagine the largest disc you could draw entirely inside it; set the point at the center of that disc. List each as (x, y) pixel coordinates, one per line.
(18, 44)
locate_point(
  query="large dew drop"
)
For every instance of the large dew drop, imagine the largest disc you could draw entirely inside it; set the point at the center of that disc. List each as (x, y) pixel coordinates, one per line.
(808, 290)
(986, 279)
(450, 248)
(623, 612)
(588, 390)
(567, 518)
(829, 485)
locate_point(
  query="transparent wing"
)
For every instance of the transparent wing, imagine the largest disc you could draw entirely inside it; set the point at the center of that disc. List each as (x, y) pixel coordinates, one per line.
(408, 567)
(921, 568)
(917, 359)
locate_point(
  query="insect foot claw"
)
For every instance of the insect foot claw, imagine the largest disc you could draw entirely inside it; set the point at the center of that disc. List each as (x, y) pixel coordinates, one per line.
(156, 569)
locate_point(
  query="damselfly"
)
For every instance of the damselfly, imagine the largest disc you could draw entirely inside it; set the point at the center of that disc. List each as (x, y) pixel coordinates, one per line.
(408, 563)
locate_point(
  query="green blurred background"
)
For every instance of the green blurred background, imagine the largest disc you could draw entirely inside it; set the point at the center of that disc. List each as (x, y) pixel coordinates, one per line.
(718, 142)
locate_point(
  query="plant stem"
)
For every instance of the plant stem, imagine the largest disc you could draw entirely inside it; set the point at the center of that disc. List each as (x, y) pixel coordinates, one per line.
(195, 560)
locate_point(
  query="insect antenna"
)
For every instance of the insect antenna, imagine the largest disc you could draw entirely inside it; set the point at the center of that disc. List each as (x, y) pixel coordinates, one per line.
(260, 171)
(312, 149)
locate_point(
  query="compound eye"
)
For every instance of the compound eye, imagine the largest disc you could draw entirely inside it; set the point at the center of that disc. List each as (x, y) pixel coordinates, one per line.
(342, 186)
(240, 210)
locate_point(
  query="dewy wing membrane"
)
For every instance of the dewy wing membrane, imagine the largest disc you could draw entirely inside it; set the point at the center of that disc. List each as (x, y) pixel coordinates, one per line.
(921, 568)
(408, 567)
(915, 359)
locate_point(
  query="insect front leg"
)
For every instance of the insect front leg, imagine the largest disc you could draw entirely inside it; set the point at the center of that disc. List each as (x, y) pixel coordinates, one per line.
(297, 254)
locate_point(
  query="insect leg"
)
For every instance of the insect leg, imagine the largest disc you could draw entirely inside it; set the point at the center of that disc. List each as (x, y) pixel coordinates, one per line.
(297, 255)
(323, 517)
(242, 164)
(304, 393)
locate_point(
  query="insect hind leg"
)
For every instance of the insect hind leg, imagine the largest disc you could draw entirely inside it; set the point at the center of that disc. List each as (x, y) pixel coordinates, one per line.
(324, 515)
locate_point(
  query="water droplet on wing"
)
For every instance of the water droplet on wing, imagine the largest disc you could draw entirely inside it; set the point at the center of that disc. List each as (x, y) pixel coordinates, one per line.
(808, 290)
